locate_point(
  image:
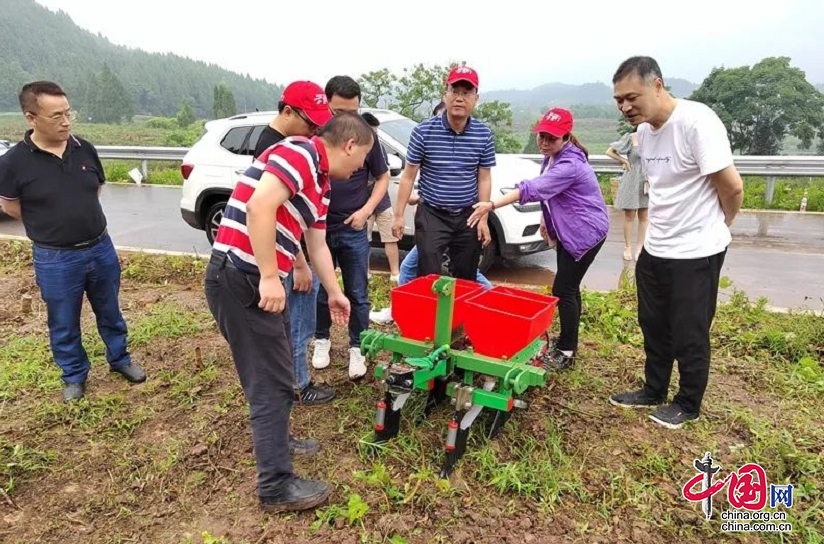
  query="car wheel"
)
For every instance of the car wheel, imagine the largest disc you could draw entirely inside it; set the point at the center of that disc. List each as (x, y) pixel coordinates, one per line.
(213, 217)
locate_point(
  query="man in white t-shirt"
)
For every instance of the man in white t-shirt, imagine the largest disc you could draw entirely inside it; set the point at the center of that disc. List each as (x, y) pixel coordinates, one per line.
(695, 193)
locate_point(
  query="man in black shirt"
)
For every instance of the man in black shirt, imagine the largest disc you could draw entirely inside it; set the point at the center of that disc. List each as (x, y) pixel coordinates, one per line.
(350, 207)
(52, 181)
(294, 119)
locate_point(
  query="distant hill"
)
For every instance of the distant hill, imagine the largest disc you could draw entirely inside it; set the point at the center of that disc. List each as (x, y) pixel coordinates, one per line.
(540, 98)
(36, 43)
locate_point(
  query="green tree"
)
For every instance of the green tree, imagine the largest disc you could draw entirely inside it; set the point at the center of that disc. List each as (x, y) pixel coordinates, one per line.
(106, 98)
(223, 104)
(418, 90)
(375, 86)
(185, 116)
(531, 147)
(761, 105)
(498, 115)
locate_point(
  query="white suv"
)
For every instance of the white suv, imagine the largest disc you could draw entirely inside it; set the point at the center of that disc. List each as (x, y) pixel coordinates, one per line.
(212, 166)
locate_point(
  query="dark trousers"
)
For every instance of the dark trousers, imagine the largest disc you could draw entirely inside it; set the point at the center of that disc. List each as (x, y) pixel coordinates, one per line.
(63, 276)
(676, 305)
(262, 351)
(436, 231)
(350, 251)
(567, 288)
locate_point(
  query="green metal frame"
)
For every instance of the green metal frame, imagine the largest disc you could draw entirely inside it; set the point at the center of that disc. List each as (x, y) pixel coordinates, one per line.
(436, 360)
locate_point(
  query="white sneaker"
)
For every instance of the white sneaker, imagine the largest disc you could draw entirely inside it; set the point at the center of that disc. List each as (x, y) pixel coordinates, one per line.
(357, 364)
(394, 278)
(383, 317)
(320, 357)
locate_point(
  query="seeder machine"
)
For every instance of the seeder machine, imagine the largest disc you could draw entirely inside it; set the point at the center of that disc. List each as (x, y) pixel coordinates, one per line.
(481, 349)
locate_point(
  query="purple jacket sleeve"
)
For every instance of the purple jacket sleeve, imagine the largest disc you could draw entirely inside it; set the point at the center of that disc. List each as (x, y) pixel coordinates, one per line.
(551, 183)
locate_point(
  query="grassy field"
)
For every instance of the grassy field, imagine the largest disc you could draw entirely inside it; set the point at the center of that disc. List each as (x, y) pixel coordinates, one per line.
(170, 461)
(137, 133)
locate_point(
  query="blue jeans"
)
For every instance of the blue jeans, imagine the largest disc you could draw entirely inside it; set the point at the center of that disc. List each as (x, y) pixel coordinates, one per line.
(302, 309)
(63, 275)
(350, 251)
(409, 270)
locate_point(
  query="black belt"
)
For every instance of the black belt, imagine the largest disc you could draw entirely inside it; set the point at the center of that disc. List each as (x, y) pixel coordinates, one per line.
(446, 211)
(82, 245)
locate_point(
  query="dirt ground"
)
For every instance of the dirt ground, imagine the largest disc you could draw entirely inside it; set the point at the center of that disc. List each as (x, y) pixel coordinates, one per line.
(171, 461)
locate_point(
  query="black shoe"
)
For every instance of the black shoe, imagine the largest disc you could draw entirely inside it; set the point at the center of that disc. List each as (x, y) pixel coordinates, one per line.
(558, 361)
(132, 372)
(635, 399)
(303, 447)
(672, 416)
(296, 494)
(313, 395)
(74, 391)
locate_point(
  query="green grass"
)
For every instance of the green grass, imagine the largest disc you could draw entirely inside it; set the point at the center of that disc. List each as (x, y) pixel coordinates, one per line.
(26, 367)
(160, 172)
(787, 195)
(162, 269)
(137, 133)
(167, 321)
(542, 470)
(20, 462)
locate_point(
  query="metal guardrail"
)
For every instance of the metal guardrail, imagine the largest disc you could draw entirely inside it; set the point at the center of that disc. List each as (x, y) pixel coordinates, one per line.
(747, 165)
(770, 166)
(142, 153)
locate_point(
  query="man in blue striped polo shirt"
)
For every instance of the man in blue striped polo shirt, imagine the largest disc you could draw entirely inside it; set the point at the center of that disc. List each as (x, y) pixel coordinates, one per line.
(454, 154)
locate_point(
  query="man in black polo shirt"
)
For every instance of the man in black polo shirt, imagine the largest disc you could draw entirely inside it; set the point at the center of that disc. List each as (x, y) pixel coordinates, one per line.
(350, 207)
(295, 110)
(52, 181)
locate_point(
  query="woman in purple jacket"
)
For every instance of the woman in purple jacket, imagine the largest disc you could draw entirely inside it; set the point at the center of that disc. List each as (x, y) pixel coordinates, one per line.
(575, 220)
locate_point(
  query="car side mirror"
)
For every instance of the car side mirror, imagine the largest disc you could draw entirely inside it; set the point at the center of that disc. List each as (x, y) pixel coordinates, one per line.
(395, 165)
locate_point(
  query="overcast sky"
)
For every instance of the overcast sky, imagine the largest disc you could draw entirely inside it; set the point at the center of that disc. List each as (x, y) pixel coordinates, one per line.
(512, 43)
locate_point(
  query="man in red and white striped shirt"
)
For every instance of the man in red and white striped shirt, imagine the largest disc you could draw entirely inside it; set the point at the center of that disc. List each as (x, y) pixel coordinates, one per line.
(284, 194)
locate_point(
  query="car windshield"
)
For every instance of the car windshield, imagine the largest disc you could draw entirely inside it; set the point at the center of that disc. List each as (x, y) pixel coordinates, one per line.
(399, 129)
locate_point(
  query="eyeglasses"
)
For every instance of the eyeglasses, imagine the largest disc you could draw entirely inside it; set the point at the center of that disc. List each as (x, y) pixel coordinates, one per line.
(70, 115)
(312, 126)
(461, 93)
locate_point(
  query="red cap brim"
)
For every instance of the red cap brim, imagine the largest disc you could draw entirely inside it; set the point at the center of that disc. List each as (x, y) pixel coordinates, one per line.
(320, 116)
(456, 79)
(556, 131)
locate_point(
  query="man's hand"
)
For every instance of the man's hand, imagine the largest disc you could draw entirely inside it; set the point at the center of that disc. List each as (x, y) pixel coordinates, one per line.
(301, 278)
(339, 308)
(397, 227)
(12, 208)
(482, 209)
(483, 233)
(626, 165)
(358, 219)
(272, 295)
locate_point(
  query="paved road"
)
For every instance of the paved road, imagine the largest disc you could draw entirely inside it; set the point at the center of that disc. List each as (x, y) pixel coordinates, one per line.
(777, 255)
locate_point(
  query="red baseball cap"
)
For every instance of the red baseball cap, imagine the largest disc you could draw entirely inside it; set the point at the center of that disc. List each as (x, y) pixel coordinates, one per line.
(556, 121)
(309, 98)
(463, 73)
